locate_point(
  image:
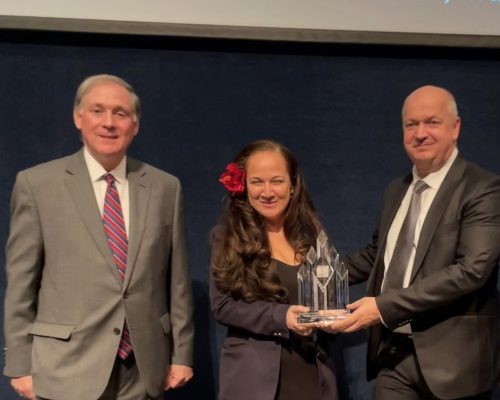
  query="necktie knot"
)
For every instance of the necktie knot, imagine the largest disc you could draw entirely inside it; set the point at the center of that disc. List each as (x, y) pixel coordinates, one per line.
(110, 179)
(420, 186)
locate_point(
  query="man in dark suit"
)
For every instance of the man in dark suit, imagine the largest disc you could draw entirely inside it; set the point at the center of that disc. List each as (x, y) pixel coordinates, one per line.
(98, 302)
(433, 305)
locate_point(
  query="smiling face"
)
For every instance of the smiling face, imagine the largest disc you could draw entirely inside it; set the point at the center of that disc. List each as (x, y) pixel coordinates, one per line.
(107, 122)
(430, 128)
(268, 185)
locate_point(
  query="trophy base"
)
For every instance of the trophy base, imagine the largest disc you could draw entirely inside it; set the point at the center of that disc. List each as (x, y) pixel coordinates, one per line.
(314, 317)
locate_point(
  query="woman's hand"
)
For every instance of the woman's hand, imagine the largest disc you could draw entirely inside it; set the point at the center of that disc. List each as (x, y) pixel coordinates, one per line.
(292, 321)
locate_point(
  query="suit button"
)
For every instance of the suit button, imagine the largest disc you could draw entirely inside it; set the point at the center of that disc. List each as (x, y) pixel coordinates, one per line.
(392, 350)
(125, 295)
(117, 331)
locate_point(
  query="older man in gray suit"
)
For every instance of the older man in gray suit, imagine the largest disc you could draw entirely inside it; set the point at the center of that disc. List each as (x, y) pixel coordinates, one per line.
(98, 302)
(432, 269)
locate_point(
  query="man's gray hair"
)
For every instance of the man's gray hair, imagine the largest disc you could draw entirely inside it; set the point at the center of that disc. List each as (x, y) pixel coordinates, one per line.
(91, 81)
(452, 103)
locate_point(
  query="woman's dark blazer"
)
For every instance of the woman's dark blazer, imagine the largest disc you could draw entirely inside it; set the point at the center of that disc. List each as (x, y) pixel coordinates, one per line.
(251, 353)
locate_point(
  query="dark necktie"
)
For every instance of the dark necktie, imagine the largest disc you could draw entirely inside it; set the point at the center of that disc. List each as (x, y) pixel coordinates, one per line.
(404, 244)
(114, 226)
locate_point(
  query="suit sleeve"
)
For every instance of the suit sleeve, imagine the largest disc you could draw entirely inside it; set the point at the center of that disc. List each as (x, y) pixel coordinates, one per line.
(24, 253)
(181, 300)
(475, 257)
(259, 316)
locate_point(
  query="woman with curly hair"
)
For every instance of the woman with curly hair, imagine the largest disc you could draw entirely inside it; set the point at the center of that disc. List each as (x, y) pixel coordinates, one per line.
(268, 225)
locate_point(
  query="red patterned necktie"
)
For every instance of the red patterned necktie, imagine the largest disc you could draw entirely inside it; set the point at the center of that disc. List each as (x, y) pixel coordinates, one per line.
(114, 226)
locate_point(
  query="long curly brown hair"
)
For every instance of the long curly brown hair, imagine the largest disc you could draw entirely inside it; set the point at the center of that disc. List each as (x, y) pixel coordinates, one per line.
(241, 254)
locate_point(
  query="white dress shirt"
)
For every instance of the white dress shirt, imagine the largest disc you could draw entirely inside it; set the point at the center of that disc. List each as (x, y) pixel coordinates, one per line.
(97, 172)
(434, 181)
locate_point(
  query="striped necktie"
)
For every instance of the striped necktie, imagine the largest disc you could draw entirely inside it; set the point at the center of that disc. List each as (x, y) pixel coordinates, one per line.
(114, 226)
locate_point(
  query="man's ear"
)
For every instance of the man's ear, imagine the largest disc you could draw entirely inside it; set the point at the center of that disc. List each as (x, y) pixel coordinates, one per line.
(457, 125)
(77, 119)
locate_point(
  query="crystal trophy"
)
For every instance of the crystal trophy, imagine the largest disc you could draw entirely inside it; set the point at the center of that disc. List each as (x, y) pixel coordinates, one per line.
(323, 284)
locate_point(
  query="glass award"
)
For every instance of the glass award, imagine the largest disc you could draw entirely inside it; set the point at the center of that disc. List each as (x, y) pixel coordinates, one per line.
(323, 284)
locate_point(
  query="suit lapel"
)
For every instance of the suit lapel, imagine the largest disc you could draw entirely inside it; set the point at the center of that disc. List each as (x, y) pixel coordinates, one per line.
(80, 188)
(394, 199)
(439, 205)
(139, 189)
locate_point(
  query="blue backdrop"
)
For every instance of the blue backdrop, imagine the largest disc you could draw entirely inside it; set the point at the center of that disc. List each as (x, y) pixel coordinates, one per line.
(337, 107)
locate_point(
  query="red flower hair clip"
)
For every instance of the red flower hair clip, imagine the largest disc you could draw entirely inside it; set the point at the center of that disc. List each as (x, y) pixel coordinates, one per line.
(233, 179)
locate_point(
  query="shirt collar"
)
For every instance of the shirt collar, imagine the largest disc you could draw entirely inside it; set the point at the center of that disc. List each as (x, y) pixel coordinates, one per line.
(97, 172)
(435, 178)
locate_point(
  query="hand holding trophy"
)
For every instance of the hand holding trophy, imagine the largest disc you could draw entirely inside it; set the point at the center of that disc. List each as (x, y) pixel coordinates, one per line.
(323, 284)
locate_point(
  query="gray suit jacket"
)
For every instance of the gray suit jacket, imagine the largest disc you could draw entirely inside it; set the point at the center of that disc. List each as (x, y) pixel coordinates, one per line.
(65, 304)
(452, 300)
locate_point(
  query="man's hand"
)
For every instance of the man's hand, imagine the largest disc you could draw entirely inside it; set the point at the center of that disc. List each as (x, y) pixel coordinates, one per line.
(177, 376)
(364, 313)
(24, 387)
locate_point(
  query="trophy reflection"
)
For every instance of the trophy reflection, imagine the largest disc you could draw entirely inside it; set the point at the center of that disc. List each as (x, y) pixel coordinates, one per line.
(323, 284)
